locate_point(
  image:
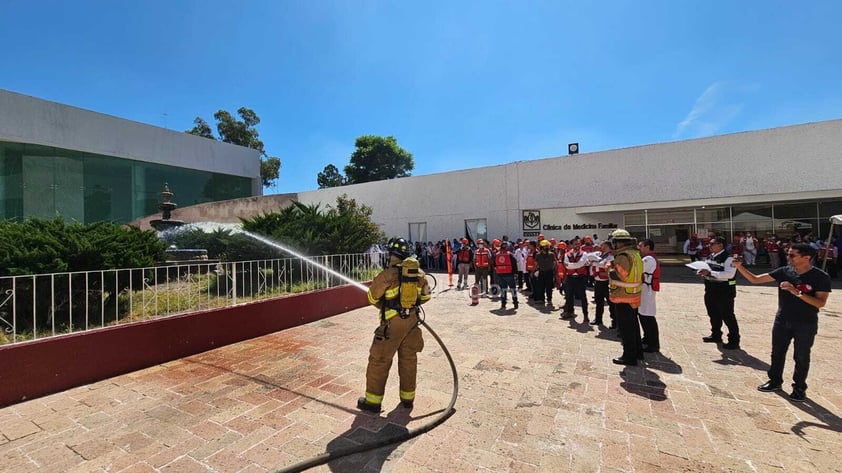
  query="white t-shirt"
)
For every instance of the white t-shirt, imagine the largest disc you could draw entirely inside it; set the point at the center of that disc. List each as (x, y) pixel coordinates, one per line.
(647, 297)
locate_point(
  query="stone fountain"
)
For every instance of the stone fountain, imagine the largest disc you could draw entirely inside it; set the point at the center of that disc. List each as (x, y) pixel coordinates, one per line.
(166, 222)
(166, 207)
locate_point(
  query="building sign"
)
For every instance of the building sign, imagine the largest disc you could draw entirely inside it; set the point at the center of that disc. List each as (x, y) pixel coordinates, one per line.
(531, 220)
(553, 220)
(579, 226)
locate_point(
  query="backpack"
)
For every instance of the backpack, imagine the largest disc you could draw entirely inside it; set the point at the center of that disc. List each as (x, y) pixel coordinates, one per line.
(409, 274)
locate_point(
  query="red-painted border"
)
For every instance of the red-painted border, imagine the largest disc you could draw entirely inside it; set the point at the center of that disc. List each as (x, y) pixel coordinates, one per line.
(33, 369)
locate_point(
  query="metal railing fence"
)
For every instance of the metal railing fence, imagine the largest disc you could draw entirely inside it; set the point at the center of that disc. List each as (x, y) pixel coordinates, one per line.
(46, 305)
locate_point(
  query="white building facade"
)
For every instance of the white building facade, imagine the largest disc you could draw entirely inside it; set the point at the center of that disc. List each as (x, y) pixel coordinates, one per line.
(782, 181)
(87, 166)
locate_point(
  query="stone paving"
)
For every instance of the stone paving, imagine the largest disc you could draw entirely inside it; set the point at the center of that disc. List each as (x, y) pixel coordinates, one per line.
(536, 394)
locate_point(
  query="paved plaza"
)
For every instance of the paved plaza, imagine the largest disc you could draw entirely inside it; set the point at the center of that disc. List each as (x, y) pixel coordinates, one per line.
(536, 394)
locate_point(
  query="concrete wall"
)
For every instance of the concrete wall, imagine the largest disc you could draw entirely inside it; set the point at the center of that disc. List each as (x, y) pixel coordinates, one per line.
(25, 119)
(780, 164)
(38, 368)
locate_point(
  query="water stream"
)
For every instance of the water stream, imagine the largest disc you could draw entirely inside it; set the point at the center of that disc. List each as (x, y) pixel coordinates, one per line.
(209, 227)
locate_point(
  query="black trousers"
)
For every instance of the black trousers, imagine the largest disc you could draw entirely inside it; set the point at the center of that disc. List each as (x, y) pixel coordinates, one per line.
(720, 307)
(601, 295)
(803, 335)
(629, 331)
(651, 335)
(543, 288)
(574, 288)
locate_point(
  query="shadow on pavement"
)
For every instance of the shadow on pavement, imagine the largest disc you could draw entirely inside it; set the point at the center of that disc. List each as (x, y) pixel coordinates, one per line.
(740, 357)
(661, 362)
(640, 381)
(832, 421)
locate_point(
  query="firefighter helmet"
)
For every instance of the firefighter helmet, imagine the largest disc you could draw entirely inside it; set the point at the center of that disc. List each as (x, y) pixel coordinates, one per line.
(495, 242)
(621, 236)
(400, 248)
(544, 243)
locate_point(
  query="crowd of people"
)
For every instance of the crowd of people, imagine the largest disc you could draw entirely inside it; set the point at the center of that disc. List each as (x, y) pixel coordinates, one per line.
(769, 249)
(625, 277)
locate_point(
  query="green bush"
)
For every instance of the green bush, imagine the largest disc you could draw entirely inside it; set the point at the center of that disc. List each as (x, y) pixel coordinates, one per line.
(223, 244)
(345, 228)
(38, 246)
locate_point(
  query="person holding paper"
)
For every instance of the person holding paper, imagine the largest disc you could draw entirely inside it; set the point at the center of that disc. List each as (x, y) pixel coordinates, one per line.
(720, 292)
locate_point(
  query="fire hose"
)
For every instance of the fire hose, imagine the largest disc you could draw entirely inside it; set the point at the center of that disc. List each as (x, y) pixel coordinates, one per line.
(401, 437)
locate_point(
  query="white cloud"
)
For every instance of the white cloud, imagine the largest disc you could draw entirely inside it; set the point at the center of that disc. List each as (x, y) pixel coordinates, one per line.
(709, 114)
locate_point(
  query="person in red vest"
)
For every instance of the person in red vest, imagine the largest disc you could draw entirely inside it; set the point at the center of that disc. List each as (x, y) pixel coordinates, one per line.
(561, 250)
(531, 249)
(588, 247)
(704, 251)
(651, 341)
(464, 259)
(601, 284)
(482, 266)
(505, 266)
(692, 247)
(575, 280)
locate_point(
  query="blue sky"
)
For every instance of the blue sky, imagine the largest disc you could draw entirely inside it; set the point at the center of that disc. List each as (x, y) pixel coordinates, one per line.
(459, 84)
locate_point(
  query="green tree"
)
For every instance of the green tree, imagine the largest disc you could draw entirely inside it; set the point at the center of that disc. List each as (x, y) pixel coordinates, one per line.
(377, 158)
(330, 177)
(243, 133)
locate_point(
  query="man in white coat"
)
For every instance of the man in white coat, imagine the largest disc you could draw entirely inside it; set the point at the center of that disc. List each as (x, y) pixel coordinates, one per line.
(520, 257)
(651, 285)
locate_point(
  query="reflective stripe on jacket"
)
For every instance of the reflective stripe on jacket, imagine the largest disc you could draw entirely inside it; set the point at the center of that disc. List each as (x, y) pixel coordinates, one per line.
(626, 277)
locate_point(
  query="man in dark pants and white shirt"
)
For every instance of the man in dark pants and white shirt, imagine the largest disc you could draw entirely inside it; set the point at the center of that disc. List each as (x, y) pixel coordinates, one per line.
(802, 291)
(720, 292)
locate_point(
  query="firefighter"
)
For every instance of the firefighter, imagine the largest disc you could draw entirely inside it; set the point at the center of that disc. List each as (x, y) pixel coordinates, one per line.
(624, 288)
(398, 331)
(545, 277)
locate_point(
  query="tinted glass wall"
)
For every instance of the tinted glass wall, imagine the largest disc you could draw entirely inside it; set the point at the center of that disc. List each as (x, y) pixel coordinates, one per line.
(42, 181)
(670, 228)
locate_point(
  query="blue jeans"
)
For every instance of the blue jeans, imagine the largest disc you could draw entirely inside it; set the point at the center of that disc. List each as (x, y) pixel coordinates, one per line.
(507, 281)
(802, 334)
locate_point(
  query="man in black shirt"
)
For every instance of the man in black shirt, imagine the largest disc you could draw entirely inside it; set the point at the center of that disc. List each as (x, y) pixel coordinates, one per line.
(802, 291)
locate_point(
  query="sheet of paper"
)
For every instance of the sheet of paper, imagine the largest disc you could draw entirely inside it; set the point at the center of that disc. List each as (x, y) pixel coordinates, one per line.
(698, 265)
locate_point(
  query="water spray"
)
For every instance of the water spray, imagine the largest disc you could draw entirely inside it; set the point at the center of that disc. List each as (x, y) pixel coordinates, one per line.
(404, 436)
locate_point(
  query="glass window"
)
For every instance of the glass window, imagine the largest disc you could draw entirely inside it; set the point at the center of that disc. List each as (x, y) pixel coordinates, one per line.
(670, 216)
(43, 181)
(418, 232)
(633, 218)
(476, 228)
(713, 214)
(798, 211)
(752, 212)
(830, 208)
(637, 231)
